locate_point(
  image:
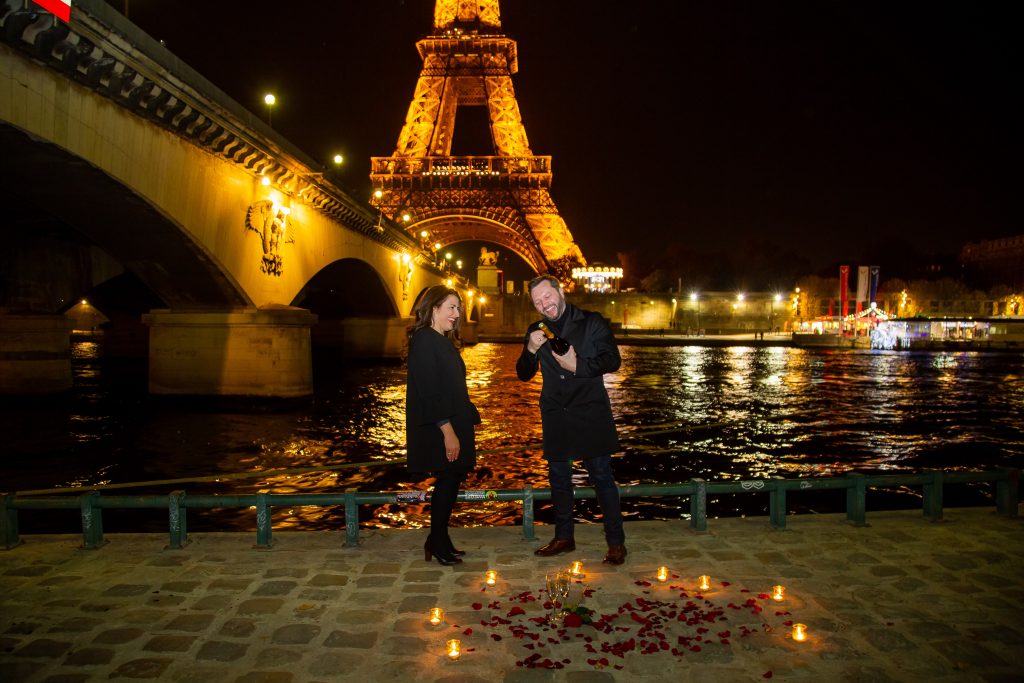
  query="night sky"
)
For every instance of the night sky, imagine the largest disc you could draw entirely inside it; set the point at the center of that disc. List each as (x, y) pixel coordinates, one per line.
(816, 132)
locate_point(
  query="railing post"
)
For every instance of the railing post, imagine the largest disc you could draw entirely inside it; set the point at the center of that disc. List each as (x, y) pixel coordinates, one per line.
(528, 531)
(351, 520)
(856, 499)
(92, 521)
(8, 522)
(1008, 493)
(699, 505)
(177, 521)
(933, 495)
(777, 503)
(263, 525)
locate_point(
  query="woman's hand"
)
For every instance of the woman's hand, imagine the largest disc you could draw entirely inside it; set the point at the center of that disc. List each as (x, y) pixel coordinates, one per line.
(451, 442)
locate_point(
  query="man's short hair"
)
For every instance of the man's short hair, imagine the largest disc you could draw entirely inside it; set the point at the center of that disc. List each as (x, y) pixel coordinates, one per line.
(550, 279)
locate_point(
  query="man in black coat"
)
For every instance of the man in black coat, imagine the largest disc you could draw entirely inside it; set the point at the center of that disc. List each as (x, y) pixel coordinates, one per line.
(575, 411)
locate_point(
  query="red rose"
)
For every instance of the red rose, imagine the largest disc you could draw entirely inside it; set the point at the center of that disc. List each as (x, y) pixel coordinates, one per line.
(573, 620)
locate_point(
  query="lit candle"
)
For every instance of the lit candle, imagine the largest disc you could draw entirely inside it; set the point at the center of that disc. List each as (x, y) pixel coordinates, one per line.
(778, 593)
(490, 577)
(436, 616)
(705, 582)
(454, 648)
(663, 574)
(577, 570)
(799, 632)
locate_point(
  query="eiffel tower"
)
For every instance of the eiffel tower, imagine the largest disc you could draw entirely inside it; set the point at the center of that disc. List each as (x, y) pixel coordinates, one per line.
(503, 198)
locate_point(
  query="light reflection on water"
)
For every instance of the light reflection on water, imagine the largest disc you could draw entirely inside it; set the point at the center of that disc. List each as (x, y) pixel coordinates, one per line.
(775, 412)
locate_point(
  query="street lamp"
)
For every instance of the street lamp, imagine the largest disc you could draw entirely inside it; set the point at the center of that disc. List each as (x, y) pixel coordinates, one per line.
(694, 297)
(270, 101)
(771, 322)
(448, 260)
(338, 160)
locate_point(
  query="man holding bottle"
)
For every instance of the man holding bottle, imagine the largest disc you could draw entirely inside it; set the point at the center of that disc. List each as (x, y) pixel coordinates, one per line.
(576, 413)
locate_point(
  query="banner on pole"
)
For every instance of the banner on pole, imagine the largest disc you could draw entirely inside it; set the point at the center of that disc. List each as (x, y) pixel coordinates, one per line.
(844, 294)
(873, 294)
(58, 8)
(862, 284)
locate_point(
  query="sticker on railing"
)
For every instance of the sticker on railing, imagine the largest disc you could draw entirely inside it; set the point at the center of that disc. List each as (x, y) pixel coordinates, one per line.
(411, 497)
(747, 485)
(482, 495)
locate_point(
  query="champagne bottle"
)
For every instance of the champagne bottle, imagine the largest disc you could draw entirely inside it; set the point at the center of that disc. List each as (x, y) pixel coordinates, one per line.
(558, 345)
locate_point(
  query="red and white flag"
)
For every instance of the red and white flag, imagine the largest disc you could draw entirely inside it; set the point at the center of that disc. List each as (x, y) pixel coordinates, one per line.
(59, 8)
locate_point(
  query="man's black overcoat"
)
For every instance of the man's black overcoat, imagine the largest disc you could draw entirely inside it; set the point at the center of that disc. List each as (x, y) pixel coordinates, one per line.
(435, 391)
(575, 410)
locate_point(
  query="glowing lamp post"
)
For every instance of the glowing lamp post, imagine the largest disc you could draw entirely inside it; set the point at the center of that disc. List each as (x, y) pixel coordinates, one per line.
(270, 101)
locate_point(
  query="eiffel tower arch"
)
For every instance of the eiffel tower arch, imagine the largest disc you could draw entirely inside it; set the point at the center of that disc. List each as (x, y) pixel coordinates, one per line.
(504, 197)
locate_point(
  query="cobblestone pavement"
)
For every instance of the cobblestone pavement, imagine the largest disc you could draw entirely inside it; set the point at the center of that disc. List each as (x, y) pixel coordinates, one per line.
(900, 600)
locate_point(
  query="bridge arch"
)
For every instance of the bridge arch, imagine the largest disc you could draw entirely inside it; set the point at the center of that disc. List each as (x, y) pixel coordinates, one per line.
(44, 179)
(498, 226)
(347, 288)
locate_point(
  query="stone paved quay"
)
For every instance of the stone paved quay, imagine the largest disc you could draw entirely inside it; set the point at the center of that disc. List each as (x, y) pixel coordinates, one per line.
(903, 599)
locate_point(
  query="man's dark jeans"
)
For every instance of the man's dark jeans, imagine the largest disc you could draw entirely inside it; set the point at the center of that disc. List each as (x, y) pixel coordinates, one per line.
(599, 471)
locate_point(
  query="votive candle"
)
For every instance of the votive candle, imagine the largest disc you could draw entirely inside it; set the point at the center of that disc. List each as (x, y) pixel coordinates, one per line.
(704, 582)
(454, 650)
(436, 616)
(576, 570)
(491, 577)
(799, 632)
(663, 574)
(778, 593)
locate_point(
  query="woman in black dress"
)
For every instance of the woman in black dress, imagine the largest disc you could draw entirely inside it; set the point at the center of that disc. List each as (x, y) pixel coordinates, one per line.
(439, 417)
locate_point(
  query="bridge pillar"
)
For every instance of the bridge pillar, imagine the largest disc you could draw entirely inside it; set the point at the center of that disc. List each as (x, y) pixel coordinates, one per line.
(237, 352)
(35, 353)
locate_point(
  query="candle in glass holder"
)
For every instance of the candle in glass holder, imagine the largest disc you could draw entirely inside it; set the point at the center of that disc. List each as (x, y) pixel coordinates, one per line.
(576, 570)
(453, 649)
(778, 593)
(491, 577)
(799, 632)
(436, 616)
(663, 574)
(704, 582)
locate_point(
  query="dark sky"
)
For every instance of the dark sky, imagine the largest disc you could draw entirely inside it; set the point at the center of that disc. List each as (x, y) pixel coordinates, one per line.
(824, 128)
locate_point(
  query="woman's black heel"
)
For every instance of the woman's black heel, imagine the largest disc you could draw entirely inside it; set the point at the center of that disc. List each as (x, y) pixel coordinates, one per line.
(445, 559)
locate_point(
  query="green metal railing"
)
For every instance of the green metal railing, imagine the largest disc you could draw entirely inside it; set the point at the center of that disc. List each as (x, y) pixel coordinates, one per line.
(91, 504)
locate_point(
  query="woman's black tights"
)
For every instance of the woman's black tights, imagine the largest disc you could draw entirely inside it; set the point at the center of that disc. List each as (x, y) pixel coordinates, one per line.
(442, 500)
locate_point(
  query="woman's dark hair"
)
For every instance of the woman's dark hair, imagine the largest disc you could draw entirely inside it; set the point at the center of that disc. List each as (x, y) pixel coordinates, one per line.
(431, 299)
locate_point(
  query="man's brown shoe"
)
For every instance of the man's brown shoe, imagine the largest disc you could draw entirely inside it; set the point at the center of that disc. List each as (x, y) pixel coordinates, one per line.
(556, 547)
(616, 554)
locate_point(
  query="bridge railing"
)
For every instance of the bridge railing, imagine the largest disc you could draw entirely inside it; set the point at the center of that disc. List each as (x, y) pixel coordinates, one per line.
(91, 504)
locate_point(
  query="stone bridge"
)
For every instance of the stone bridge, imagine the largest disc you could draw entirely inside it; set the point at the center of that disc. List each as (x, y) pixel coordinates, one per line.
(131, 181)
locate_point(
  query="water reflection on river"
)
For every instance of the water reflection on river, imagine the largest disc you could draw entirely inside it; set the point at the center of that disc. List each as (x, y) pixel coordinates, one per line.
(683, 412)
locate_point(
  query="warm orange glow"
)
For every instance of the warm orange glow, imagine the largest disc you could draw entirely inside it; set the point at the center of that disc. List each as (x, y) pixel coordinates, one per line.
(454, 649)
(799, 632)
(663, 574)
(704, 582)
(436, 616)
(576, 570)
(778, 593)
(491, 577)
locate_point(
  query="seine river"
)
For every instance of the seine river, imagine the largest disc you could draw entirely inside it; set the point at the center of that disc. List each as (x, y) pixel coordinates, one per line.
(683, 412)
